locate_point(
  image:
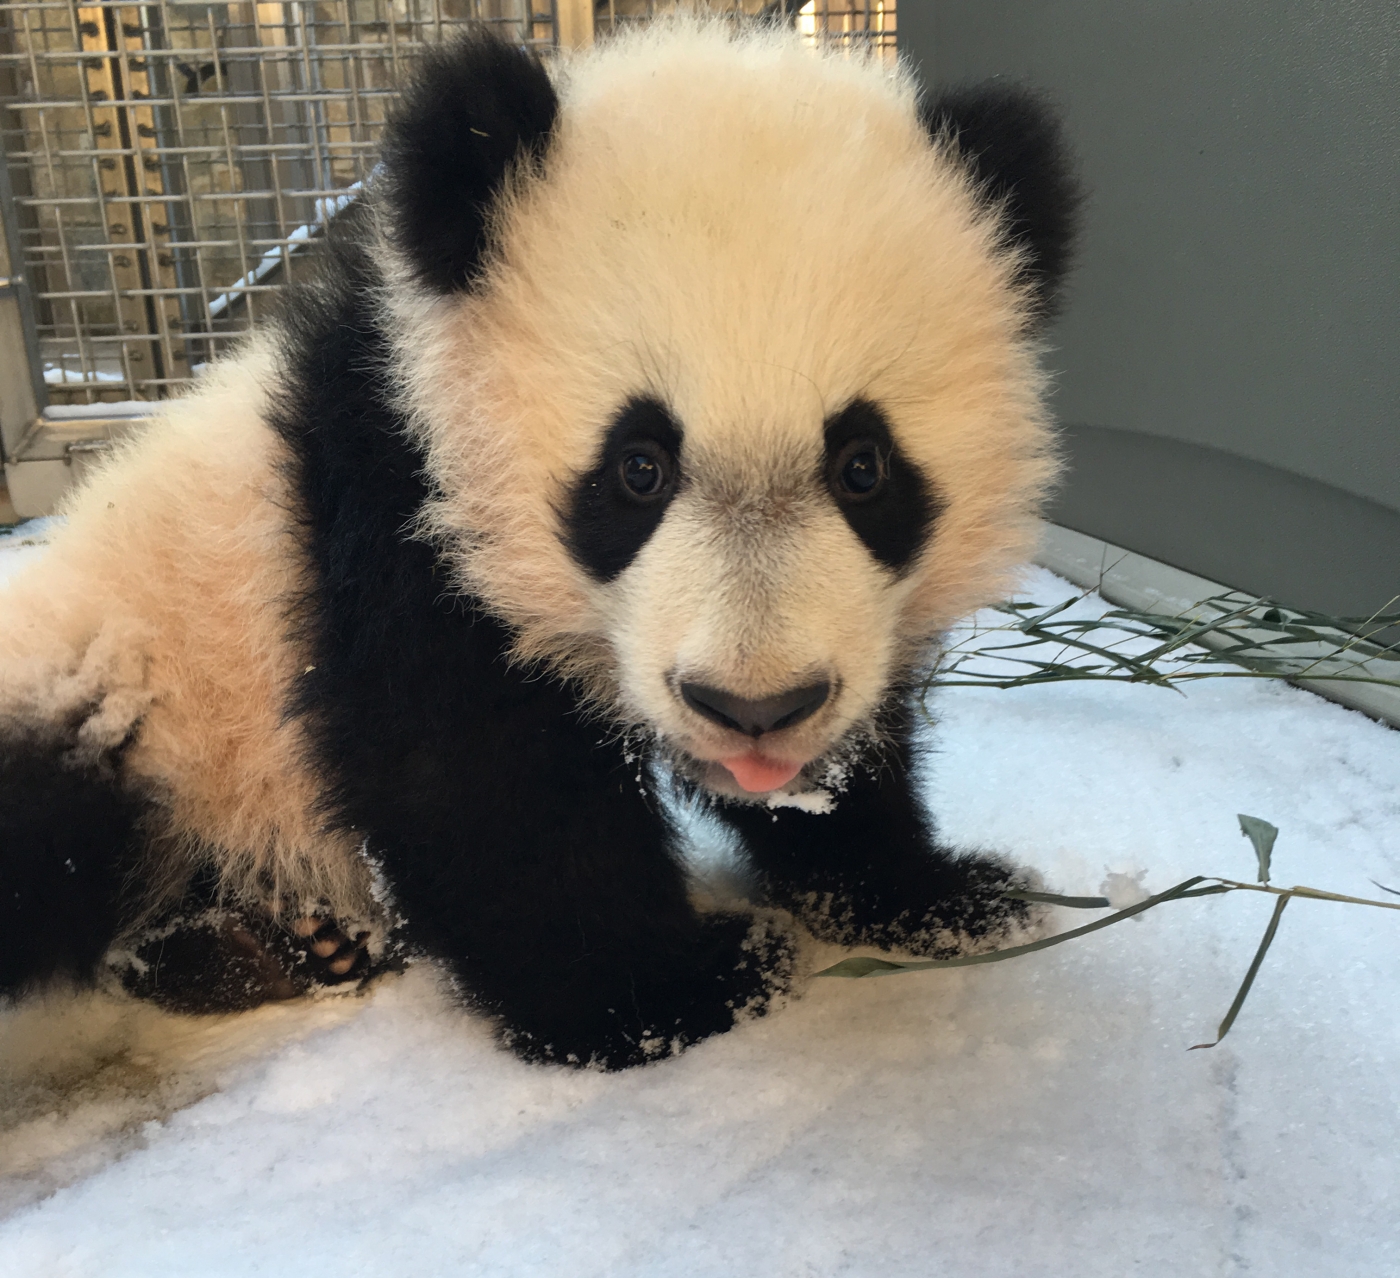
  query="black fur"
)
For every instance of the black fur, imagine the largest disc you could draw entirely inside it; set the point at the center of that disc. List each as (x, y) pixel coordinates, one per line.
(214, 961)
(205, 954)
(475, 108)
(68, 838)
(895, 521)
(605, 524)
(1011, 141)
(870, 872)
(519, 842)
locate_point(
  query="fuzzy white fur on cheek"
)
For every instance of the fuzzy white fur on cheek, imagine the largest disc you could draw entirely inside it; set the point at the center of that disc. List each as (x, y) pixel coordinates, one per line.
(501, 467)
(754, 619)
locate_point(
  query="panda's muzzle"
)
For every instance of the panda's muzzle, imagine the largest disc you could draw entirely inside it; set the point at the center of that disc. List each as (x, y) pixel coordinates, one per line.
(752, 717)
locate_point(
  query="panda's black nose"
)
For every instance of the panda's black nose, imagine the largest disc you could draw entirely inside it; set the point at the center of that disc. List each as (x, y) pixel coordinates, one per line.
(754, 718)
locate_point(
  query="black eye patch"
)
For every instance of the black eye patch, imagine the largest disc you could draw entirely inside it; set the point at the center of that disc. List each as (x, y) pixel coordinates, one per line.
(884, 497)
(614, 508)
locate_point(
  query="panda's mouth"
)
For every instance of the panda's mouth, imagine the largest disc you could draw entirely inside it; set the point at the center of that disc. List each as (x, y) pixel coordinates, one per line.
(752, 776)
(763, 778)
(750, 769)
(756, 773)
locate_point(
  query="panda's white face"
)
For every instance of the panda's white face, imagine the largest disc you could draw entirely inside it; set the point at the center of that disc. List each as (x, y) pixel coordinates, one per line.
(743, 413)
(751, 628)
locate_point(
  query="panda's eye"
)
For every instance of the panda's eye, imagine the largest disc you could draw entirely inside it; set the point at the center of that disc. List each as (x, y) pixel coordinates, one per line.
(859, 471)
(645, 470)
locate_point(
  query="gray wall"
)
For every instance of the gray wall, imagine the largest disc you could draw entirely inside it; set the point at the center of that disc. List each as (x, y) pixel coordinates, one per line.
(1231, 353)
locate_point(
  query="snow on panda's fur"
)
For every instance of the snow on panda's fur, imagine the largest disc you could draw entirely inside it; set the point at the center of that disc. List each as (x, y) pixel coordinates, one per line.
(669, 406)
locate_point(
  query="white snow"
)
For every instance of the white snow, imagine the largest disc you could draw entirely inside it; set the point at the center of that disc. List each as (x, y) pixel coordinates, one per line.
(817, 802)
(75, 377)
(1035, 1117)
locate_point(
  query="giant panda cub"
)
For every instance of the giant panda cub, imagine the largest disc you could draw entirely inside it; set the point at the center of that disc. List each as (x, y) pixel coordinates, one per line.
(651, 417)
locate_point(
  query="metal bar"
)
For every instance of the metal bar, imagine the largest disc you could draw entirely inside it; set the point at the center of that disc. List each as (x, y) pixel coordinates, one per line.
(21, 375)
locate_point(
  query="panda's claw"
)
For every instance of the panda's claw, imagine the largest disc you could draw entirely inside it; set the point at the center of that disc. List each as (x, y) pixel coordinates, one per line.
(332, 956)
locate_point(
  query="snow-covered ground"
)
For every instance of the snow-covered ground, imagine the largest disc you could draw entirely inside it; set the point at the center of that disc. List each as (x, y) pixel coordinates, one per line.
(1036, 1117)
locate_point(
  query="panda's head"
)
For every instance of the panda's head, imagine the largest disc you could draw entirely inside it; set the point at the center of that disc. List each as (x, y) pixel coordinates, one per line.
(723, 356)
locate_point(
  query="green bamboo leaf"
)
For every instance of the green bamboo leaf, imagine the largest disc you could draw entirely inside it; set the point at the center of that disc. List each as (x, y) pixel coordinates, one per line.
(1050, 612)
(862, 965)
(1248, 639)
(1260, 833)
(1249, 975)
(1069, 902)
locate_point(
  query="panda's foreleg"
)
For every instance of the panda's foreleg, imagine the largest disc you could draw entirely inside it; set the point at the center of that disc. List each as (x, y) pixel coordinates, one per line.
(565, 913)
(67, 835)
(594, 990)
(871, 872)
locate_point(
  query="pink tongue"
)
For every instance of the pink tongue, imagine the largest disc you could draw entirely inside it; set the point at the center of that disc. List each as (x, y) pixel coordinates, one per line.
(755, 774)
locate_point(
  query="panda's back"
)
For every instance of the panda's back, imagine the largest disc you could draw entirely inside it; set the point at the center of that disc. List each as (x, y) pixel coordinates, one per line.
(161, 621)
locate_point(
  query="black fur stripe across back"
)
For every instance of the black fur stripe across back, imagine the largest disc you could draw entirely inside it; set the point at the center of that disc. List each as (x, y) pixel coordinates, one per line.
(516, 837)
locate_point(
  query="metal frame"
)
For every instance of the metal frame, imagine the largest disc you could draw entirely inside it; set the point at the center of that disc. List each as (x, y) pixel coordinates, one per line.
(21, 378)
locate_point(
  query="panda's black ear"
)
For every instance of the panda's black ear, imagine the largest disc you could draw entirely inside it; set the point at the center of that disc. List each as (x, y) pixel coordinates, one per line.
(1011, 142)
(474, 108)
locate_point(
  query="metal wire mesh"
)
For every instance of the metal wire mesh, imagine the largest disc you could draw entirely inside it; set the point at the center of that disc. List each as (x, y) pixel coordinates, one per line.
(169, 161)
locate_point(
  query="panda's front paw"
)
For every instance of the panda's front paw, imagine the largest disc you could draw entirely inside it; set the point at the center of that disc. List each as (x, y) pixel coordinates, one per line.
(952, 906)
(638, 1013)
(974, 914)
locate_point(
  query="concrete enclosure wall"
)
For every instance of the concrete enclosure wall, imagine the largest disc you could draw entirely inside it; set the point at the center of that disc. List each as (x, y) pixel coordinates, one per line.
(1230, 355)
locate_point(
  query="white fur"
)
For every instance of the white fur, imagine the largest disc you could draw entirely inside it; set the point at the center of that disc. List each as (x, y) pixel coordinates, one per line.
(164, 602)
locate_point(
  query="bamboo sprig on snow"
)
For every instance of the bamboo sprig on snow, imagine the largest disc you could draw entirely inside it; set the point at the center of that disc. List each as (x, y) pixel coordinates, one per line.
(1259, 832)
(1227, 636)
